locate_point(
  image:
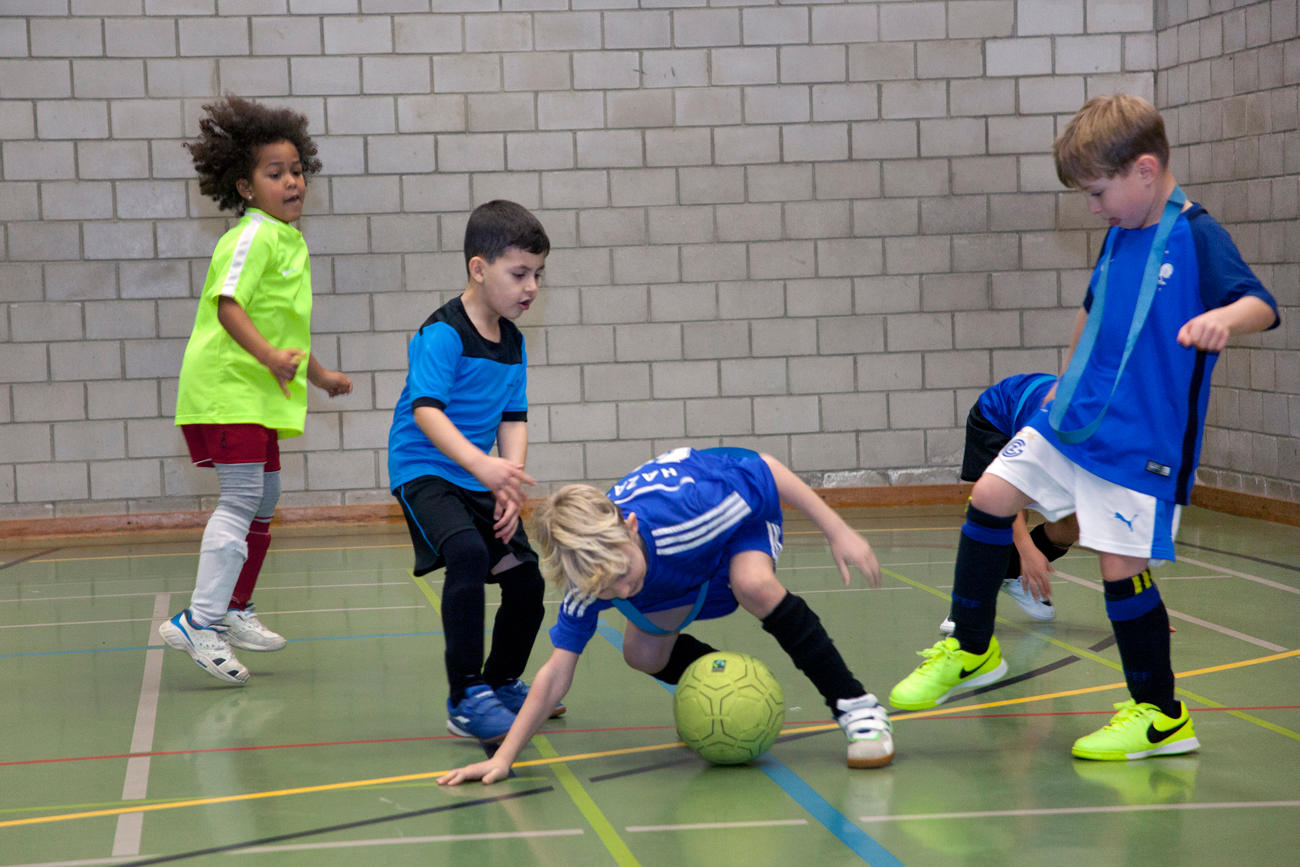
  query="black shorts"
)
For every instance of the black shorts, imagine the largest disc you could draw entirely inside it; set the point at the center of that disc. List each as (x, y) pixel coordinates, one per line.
(436, 509)
(983, 442)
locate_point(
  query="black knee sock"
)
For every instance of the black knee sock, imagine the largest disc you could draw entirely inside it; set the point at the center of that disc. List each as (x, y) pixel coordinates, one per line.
(462, 610)
(1046, 547)
(800, 633)
(686, 649)
(982, 552)
(1141, 624)
(515, 627)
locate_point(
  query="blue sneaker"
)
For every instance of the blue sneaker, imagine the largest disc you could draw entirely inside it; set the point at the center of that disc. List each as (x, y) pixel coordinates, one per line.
(479, 714)
(512, 695)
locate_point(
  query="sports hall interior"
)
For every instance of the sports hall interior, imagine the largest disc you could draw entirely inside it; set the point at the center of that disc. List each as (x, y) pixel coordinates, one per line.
(814, 229)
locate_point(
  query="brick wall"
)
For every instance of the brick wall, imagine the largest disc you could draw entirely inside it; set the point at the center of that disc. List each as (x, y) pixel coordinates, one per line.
(818, 229)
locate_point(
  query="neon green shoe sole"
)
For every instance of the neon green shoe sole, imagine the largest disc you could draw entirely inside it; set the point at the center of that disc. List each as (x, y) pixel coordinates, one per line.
(946, 669)
(1138, 731)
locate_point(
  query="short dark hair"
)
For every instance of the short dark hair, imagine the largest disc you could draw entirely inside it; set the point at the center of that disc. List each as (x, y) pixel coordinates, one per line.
(498, 225)
(230, 134)
(1106, 136)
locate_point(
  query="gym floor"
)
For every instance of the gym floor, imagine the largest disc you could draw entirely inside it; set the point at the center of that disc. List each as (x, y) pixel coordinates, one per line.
(116, 750)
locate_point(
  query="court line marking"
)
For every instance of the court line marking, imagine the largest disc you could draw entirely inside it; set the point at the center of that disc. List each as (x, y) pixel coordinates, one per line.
(718, 826)
(1246, 576)
(100, 596)
(151, 620)
(398, 841)
(1266, 562)
(135, 785)
(624, 751)
(1069, 811)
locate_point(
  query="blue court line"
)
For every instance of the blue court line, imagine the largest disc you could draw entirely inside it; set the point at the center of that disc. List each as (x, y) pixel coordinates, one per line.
(164, 647)
(803, 794)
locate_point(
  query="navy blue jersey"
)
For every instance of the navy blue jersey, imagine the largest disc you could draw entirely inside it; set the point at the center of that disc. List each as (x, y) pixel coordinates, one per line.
(1150, 438)
(694, 511)
(476, 382)
(1008, 405)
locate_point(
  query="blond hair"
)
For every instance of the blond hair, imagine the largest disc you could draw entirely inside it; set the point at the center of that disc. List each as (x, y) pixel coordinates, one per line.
(1106, 136)
(581, 534)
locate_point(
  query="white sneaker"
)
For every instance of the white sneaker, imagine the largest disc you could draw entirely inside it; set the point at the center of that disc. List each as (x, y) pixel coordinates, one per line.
(1038, 609)
(947, 627)
(246, 632)
(206, 645)
(871, 738)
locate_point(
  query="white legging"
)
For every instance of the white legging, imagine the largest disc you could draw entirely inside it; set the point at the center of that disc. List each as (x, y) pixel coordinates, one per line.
(246, 492)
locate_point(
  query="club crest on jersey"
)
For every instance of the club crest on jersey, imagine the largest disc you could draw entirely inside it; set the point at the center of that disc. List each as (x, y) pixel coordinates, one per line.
(1166, 271)
(1014, 448)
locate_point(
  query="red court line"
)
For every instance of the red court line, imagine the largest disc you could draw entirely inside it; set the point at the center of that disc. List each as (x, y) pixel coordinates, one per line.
(370, 741)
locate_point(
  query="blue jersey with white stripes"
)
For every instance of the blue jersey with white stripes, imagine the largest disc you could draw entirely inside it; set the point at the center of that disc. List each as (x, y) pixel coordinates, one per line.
(688, 505)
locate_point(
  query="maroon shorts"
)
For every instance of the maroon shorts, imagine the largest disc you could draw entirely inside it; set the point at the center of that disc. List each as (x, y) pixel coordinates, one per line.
(211, 444)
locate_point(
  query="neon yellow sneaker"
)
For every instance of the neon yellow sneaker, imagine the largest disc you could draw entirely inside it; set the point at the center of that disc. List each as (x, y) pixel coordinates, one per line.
(946, 668)
(1138, 731)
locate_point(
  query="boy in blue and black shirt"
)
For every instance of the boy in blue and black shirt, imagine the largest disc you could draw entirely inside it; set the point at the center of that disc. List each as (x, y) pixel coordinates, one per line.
(1119, 444)
(465, 392)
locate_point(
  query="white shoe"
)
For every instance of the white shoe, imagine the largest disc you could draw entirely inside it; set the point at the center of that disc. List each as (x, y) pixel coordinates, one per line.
(947, 627)
(206, 645)
(1038, 609)
(246, 632)
(871, 738)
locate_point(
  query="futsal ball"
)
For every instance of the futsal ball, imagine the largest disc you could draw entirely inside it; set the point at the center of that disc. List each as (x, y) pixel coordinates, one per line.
(728, 707)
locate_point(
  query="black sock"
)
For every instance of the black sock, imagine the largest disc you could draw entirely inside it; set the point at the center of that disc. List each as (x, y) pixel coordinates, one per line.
(686, 649)
(982, 552)
(516, 623)
(1141, 624)
(462, 610)
(800, 633)
(1046, 547)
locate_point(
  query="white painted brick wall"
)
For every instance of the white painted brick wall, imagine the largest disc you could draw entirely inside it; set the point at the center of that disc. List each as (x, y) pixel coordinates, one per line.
(817, 229)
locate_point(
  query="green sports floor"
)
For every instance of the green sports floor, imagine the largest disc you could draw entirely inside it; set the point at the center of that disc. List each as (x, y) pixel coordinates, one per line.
(116, 750)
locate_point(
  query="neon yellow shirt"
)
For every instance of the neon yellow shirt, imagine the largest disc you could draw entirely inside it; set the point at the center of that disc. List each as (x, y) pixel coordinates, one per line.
(262, 264)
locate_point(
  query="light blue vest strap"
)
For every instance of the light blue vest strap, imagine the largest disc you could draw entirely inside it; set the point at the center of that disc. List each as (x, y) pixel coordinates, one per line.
(1146, 295)
(1030, 385)
(643, 623)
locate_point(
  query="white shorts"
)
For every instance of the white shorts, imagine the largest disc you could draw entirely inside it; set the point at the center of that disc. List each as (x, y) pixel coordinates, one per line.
(1112, 518)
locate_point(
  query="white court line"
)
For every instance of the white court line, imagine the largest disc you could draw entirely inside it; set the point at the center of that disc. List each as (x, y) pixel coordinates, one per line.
(1222, 630)
(1067, 811)
(276, 613)
(126, 837)
(1243, 575)
(151, 593)
(398, 841)
(714, 826)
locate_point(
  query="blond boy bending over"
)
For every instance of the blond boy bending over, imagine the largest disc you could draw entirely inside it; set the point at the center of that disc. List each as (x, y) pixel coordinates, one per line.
(691, 534)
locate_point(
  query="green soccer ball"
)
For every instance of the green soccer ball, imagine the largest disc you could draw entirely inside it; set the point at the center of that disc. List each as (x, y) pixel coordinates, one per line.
(728, 707)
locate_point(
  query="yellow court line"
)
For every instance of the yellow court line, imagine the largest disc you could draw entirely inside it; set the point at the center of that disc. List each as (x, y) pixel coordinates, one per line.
(356, 784)
(586, 804)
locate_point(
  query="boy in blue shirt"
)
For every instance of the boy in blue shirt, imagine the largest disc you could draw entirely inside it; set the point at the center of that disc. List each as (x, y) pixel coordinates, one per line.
(1001, 410)
(465, 392)
(1119, 444)
(689, 534)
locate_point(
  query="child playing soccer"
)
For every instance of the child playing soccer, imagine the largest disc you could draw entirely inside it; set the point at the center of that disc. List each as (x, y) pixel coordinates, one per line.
(1000, 411)
(465, 392)
(689, 534)
(243, 382)
(1120, 443)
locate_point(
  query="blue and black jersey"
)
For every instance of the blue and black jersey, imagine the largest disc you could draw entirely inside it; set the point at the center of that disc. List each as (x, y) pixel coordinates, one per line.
(1150, 438)
(476, 382)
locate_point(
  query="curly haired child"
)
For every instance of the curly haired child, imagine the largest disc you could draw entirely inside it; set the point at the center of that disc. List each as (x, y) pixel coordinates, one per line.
(244, 374)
